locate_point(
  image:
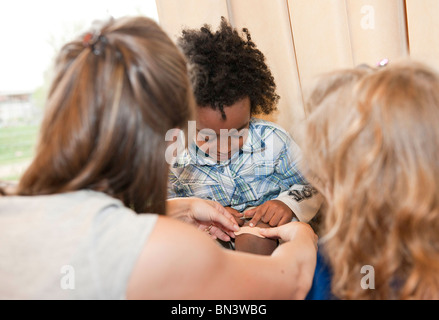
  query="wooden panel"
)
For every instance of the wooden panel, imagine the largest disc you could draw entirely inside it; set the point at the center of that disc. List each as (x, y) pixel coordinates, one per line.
(423, 27)
(377, 29)
(321, 37)
(269, 25)
(175, 15)
(304, 38)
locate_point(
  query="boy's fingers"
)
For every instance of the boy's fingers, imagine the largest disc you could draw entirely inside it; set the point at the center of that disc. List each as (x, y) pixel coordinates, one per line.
(274, 221)
(269, 214)
(260, 212)
(249, 213)
(284, 220)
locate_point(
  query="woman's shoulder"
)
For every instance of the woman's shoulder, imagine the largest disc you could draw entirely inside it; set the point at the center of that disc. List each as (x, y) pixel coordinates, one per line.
(88, 230)
(83, 206)
(57, 204)
(72, 196)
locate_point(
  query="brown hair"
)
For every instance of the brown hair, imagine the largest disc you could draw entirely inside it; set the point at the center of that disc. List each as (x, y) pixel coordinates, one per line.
(108, 110)
(372, 140)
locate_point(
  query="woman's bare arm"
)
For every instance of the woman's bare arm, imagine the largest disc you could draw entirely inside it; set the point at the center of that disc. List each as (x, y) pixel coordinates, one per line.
(180, 262)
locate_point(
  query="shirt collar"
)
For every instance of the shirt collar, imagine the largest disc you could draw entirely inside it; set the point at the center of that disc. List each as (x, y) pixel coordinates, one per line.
(195, 156)
(254, 142)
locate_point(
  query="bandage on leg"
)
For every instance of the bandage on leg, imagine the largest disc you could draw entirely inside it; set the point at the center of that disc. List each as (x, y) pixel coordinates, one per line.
(248, 239)
(249, 230)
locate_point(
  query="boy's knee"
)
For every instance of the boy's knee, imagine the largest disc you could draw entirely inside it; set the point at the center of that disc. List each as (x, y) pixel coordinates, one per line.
(253, 244)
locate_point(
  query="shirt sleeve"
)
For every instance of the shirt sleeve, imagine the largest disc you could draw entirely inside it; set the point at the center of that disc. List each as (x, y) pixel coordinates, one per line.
(303, 200)
(300, 196)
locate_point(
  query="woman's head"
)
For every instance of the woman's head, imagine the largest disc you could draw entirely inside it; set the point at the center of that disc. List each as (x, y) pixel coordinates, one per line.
(116, 91)
(372, 142)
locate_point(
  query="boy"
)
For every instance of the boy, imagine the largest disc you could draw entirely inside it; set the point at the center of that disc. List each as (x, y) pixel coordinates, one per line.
(248, 165)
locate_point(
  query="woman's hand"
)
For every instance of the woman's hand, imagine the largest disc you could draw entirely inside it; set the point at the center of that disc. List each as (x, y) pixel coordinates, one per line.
(236, 215)
(207, 215)
(291, 231)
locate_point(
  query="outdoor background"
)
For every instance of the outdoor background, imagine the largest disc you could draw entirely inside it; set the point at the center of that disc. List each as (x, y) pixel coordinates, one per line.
(31, 33)
(300, 39)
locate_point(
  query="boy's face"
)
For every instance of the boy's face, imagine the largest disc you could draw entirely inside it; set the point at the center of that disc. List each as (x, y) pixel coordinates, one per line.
(223, 137)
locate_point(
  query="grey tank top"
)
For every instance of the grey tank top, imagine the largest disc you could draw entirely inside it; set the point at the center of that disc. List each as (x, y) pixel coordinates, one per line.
(78, 245)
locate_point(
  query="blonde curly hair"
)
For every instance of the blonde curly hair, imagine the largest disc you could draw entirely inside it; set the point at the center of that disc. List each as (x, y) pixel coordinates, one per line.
(372, 141)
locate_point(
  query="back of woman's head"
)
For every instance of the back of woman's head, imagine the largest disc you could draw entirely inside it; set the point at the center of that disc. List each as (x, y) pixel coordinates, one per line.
(372, 141)
(116, 91)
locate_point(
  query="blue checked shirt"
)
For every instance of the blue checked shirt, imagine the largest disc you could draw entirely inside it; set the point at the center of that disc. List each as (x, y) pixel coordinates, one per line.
(265, 168)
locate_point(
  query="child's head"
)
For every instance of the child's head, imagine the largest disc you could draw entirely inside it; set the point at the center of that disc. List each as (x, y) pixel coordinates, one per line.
(372, 140)
(230, 78)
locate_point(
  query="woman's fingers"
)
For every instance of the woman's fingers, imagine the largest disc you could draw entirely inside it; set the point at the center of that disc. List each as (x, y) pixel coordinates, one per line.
(220, 216)
(289, 231)
(220, 234)
(217, 233)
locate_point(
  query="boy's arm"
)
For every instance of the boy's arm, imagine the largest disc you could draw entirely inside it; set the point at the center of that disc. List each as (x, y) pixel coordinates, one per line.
(303, 200)
(300, 201)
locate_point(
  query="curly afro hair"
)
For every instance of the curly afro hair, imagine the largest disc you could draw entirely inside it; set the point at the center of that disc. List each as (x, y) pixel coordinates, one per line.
(225, 68)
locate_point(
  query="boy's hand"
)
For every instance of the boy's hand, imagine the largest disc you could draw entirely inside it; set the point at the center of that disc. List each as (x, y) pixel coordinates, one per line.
(273, 212)
(236, 214)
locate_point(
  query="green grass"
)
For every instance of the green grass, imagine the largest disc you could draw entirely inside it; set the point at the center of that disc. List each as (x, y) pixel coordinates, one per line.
(17, 143)
(17, 146)
(13, 178)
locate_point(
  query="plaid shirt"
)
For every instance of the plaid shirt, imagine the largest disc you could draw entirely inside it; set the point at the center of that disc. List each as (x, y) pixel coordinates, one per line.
(264, 167)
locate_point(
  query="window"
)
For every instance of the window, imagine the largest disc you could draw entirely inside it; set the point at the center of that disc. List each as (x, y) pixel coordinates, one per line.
(31, 33)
